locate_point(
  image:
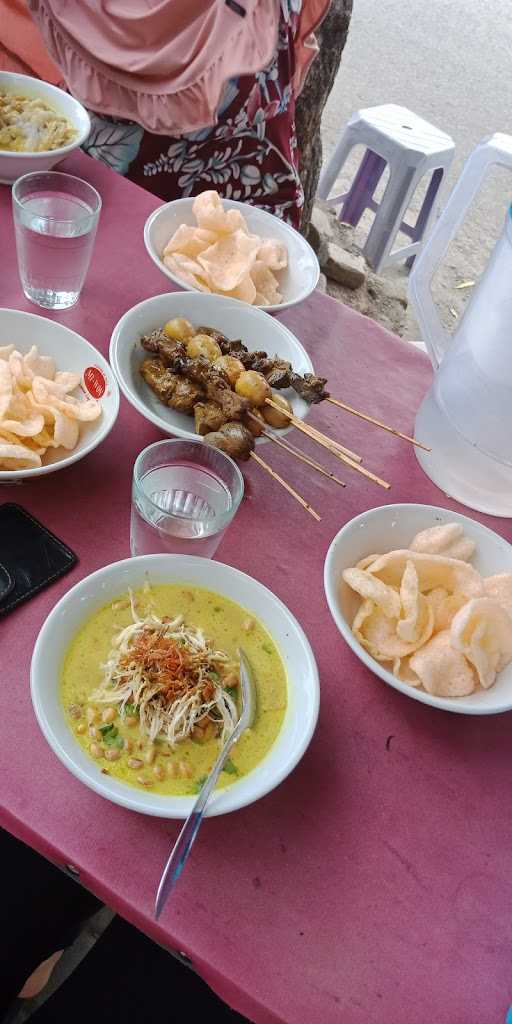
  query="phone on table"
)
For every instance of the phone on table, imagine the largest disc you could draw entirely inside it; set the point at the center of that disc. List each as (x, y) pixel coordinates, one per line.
(31, 557)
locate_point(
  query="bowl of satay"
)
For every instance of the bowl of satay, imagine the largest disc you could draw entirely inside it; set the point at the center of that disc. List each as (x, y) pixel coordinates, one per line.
(194, 365)
(204, 365)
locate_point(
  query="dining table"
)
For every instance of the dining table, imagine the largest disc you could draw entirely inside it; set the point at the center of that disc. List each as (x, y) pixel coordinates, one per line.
(374, 885)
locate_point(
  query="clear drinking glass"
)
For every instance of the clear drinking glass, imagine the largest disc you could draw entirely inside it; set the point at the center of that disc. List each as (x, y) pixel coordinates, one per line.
(55, 220)
(184, 496)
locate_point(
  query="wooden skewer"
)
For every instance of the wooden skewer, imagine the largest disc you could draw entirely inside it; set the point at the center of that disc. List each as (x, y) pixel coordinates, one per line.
(336, 444)
(298, 497)
(292, 450)
(325, 442)
(377, 423)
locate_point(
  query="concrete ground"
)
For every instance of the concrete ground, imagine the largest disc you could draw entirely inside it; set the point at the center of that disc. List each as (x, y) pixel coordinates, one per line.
(449, 61)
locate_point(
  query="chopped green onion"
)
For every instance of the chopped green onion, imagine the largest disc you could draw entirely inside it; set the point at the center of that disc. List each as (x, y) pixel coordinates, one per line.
(131, 710)
(104, 729)
(112, 738)
(233, 691)
(199, 783)
(214, 675)
(217, 608)
(267, 648)
(230, 768)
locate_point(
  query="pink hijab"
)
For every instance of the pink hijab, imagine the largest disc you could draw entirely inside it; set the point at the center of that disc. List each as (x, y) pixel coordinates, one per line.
(161, 63)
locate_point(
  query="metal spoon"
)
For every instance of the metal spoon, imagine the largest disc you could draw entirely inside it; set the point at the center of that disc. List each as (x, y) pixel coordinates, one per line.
(183, 844)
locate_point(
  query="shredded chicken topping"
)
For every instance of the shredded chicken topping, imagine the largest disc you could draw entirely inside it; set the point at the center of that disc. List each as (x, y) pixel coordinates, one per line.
(168, 671)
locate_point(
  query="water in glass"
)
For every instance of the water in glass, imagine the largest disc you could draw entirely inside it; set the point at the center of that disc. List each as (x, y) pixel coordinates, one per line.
(53, 254)
(177, 509)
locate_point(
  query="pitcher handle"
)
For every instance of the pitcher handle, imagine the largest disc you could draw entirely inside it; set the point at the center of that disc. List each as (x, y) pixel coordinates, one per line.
(497, 149)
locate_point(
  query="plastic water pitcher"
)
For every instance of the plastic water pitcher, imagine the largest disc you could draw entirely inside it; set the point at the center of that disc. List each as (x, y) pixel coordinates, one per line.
(466, 417)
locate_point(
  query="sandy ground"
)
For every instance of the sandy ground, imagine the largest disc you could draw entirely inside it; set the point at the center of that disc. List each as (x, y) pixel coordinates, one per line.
(449, 61)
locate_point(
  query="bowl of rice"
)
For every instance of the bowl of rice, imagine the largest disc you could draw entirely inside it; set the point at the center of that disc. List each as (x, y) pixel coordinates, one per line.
(39, 125)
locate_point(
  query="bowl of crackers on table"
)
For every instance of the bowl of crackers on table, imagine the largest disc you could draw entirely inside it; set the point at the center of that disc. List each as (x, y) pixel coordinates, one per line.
(58, 396)
(229, 248)
(423, 597)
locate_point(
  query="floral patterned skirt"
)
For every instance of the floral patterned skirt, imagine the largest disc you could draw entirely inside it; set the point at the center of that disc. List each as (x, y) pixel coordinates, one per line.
(250, 154)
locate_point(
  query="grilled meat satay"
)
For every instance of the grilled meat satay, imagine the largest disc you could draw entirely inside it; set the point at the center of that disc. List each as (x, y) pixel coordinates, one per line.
(233, 406)
(278, 372)
(160, 344)
(161, 380)
(214, 383)
(185, 396)
(234, 439)
(199, 370)
(251, 359)
(310, 387)
(217, 336)
(172, 390)
(208, 417)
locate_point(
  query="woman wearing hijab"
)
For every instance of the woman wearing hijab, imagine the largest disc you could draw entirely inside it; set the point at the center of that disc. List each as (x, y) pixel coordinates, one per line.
(188, 95)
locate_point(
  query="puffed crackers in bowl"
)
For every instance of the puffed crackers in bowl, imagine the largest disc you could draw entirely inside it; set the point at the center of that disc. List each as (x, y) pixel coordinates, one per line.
(232, 249)
(423, 596)
(58, 396)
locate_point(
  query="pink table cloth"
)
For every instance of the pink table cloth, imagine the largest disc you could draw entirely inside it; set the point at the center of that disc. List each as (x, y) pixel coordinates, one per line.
(374, 885)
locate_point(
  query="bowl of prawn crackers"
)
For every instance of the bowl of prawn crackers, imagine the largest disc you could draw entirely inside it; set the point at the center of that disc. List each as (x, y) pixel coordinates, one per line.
(228, 248)
(423, 596)
(58, 396)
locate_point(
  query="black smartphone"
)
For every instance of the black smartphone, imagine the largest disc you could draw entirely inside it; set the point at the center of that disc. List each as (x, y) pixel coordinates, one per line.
(31, 556)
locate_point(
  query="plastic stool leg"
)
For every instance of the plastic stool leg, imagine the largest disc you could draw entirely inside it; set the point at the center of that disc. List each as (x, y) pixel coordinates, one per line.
(363, 186)
(389, 216)
(427, 208)
(338, 158)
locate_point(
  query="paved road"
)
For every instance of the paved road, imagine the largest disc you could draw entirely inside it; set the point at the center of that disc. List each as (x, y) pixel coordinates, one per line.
(451, 62)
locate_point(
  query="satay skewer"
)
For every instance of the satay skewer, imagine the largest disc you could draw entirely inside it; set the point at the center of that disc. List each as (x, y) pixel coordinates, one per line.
(295, 494)
(312, 390)
(292, 450)
(326, 442)
(376, 423)
(336, 444)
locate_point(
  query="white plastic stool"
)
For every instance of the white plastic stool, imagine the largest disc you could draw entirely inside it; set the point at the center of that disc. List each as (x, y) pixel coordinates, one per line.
(411, 147)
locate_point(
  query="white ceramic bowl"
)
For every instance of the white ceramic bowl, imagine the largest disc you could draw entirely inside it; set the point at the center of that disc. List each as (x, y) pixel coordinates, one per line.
(394, 526)
(101, 587)
(13, 165)
(235, 319)
(296, 282)
(71, 352)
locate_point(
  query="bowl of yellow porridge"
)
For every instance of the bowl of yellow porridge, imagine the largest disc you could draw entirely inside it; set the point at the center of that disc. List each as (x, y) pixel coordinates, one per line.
(39, 125)
(136, 686)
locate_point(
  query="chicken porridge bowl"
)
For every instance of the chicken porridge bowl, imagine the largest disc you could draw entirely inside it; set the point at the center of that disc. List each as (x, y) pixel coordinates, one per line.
(40, 125)
(135, 683)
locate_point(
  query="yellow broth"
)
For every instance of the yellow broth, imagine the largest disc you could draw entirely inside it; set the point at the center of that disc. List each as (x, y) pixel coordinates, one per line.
(225, 625)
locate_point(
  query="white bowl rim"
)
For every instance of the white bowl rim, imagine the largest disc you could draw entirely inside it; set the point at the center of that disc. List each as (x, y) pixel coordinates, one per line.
(442, 703)
(225, 800)
(234, 203)
(47, 87)
(97, 439)
(132, 397)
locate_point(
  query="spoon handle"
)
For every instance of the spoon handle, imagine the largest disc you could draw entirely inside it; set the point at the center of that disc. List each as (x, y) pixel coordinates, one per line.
(183, 845)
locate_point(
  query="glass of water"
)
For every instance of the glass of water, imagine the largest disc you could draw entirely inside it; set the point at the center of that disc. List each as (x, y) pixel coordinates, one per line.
(55, 219)
(184, 496)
